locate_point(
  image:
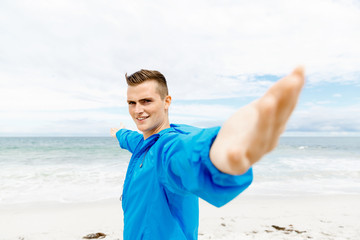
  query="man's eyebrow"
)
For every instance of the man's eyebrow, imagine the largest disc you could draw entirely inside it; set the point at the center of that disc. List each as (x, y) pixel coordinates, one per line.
(142, 99)
(146, 99)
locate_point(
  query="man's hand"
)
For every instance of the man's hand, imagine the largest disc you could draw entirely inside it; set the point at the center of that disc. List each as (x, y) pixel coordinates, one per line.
(113, 131)
(254, 130)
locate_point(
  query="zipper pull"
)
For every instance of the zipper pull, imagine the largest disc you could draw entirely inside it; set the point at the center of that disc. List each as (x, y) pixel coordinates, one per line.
(144, 157)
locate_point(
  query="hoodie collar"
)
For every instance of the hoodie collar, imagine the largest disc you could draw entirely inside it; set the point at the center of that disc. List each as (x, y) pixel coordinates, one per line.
(153, 138)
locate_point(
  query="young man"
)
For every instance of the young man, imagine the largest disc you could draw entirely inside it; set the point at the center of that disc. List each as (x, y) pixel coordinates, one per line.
(172, 165)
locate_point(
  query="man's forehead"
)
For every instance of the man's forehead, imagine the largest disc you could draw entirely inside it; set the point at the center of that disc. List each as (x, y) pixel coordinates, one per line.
(144, 90)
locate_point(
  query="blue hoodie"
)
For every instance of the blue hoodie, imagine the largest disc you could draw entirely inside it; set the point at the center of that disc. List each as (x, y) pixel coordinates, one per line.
(167, 173)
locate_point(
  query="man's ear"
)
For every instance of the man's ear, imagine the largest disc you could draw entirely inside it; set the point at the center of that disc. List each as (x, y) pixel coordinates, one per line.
(167, 102)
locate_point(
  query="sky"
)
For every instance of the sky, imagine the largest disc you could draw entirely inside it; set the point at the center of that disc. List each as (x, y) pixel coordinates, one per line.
(62, 63)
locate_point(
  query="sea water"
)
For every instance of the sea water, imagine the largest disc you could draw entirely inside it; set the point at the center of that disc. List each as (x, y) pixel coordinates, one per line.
(75, 169)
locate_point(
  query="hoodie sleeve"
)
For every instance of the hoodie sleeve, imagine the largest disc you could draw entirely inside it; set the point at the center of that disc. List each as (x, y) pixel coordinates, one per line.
(187, 168)
(128, 139)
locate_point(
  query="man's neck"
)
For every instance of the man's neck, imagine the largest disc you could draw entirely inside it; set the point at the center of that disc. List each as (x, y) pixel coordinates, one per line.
(157, 130)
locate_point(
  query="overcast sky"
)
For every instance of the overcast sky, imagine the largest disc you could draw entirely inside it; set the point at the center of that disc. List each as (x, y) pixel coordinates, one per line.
(62, 63)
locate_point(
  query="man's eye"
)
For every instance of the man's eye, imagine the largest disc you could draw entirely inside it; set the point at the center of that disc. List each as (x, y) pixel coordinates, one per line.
(131, 103)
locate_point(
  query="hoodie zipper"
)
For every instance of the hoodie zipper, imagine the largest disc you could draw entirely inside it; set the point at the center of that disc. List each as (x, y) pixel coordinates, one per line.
(135, 161)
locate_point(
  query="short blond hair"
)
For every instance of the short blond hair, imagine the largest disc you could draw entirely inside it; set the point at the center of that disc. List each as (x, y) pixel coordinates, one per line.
(146, 75)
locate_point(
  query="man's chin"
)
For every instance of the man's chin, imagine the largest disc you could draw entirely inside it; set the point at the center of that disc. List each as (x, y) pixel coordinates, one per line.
(141, 127)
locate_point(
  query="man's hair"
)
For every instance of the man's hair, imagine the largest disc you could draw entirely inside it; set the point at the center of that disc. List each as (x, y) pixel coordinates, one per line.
(146, 75)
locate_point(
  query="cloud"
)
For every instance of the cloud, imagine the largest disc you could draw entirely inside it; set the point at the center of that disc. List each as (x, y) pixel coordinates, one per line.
(319, 118)
(72, 56)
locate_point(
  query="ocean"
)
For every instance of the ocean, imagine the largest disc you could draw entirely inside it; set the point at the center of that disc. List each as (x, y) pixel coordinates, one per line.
(86, 169)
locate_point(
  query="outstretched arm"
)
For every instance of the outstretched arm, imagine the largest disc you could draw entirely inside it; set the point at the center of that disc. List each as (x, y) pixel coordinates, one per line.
(254, 130)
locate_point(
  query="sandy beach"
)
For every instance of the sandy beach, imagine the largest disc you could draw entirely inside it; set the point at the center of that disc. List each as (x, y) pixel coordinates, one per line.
(308, 217)
(247, 217)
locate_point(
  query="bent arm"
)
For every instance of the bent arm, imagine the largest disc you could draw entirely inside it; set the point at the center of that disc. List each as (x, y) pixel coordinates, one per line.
(254, 130)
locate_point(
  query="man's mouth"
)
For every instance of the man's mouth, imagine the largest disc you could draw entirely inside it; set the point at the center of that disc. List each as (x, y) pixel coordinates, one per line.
(141, 118)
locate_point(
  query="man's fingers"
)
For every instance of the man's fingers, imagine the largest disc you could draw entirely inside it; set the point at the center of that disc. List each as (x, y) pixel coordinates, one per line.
(113, 131)
(286, 91)
(295, 83)
(300, 72)
(289, 85)
(275, 109)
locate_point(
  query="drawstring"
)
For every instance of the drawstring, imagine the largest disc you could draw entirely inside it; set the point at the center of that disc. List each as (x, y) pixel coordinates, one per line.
(144, 157)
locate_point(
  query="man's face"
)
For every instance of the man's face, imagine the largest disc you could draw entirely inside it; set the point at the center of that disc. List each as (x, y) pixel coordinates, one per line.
(147, 109)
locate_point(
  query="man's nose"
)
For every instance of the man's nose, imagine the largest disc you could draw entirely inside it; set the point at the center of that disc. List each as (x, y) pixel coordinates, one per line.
(139, 109)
